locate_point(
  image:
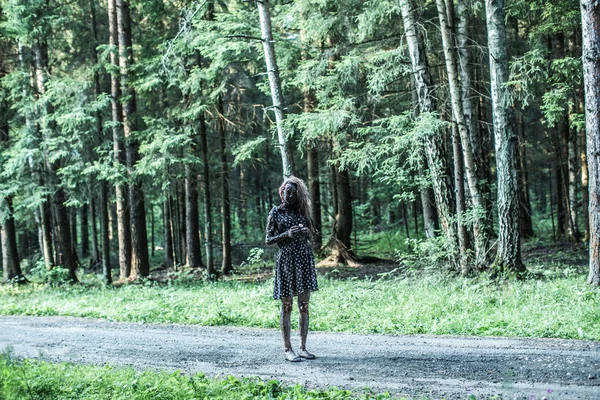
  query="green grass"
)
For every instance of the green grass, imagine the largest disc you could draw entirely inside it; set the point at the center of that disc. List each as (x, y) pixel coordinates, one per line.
(33, 379)
(559, 308)
(384, 244)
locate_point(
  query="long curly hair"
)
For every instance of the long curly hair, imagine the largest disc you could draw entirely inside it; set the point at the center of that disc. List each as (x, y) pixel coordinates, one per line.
(304, 204)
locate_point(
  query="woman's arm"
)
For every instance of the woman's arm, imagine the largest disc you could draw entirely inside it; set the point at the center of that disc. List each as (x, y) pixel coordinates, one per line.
(273, 235)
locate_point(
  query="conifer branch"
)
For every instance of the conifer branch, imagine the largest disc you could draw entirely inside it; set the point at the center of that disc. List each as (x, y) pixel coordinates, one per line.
(244, 37)
(184, 26)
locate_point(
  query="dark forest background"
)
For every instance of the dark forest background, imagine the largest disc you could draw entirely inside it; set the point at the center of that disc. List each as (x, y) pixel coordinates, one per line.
(135, 134)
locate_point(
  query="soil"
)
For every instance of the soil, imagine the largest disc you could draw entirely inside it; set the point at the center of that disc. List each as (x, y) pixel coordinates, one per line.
(436, 367)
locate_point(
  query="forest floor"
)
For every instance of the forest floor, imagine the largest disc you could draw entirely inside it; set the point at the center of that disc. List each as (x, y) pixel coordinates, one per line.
(415, 365)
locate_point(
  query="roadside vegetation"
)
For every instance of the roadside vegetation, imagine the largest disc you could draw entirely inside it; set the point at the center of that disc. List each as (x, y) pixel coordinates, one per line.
(559, 308)
(33, 379)
(412, 297)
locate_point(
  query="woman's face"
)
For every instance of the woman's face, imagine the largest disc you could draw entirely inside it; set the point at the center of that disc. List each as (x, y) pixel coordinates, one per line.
(290, 194)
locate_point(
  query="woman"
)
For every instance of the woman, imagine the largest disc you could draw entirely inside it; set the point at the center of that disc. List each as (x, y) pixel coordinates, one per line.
(289, 225)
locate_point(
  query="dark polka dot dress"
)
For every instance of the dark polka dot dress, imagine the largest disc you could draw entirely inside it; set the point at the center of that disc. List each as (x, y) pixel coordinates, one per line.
(295, 265)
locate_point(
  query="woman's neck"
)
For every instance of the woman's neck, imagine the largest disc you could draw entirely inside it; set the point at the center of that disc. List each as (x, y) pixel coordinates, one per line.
(290, 207)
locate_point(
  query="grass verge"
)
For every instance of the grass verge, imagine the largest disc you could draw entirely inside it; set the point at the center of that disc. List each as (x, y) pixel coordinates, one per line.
(557, 308)
(33, 379)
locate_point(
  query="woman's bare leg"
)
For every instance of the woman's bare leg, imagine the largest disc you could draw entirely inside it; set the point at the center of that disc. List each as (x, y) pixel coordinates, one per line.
(285, 325)
(303, 299)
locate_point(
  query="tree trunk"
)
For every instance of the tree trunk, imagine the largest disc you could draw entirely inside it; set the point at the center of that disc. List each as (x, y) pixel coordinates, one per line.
(98, 139)
(435, 150)
(112, 219)
(344, 216)
(466, 60)
(46, 234)
(95, 254)
(226, 266)
(590, 22)
(139, 238)
(275, 85)
(551, 196)
(415, 212)
(334, 196)
(482, 146)
(312, 163)
(585, 198)
(191, 213)
(572, 164)
(65, 250)
(208, 235)
(180, 240)
(72, 215)
(8, 237)
(8, 240)
(152, 232)
(508, 256)
(85, 230)
(459, 188)
(63, 235)
(561, 209)
(464, 127)
(430, 219)
(121, 192)
(243, 210)
(11, 263)
(168, 232)
(104, 225)
(525, 222)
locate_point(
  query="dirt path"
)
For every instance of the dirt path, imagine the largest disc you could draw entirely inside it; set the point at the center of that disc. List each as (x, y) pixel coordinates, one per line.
(411, 365)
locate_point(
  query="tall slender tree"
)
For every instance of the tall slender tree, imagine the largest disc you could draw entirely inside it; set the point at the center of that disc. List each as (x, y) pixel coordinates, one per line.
(590, 22)
(275, 84)
(191, 211)
(139, 239)
(434, 146)
(508, 256)
(121, 192)
(8, 238)
(226, 266)
(65, 251)
(479, 230)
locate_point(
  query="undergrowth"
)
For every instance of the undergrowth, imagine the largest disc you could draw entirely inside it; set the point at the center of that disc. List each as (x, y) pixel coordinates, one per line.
(34, 379)
(560, 307)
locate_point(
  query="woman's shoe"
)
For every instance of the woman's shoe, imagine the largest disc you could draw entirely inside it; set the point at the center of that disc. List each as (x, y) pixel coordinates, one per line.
(291, 356)
(303, 353)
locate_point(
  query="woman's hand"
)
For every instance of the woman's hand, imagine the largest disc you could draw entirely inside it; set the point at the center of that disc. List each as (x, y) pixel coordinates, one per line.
(298, 230)
(294, 230)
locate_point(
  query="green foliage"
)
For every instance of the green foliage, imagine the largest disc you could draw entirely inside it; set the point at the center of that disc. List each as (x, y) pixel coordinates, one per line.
(254, 260)
(560, 306)
(385, 244)
(57, 276)
(392, 151)
(248, 150)
(429, 255)
(347, 59)
(546, 17)
(35, 379)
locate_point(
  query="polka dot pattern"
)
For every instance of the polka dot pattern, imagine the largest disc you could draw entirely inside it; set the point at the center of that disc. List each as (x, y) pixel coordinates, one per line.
(295, 265)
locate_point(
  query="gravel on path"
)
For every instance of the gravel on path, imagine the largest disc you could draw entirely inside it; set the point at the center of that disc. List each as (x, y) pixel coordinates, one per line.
(436, 367)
